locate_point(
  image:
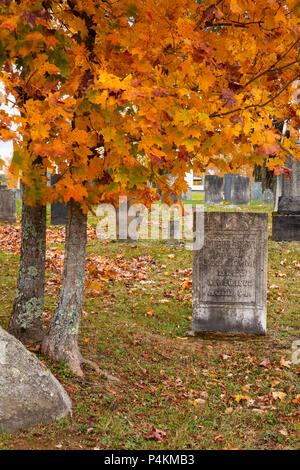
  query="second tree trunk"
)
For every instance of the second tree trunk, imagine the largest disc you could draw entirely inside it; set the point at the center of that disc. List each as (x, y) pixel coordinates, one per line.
(60, 342)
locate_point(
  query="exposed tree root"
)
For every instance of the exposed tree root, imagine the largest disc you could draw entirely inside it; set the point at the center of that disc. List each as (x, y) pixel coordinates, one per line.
(74, 359)
(75, 366)
(100, 371)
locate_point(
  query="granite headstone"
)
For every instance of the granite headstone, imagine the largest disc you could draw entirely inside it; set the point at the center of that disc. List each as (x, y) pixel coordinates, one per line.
(59, 210)
(230, 274)
(256, 191)
(268, 197)
(127, 225)
(213, 187)
(174, 233)
(227, 186)
(7, 205)
(240, 193)
(286, 220)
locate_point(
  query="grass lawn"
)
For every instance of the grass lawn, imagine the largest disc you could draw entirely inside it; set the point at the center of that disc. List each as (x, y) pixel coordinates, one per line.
(174, 391)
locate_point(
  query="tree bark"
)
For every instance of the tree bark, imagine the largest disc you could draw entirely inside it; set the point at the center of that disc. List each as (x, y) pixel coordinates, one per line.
(60, 343)
(26, 321)
(257, 173)
(267, 177)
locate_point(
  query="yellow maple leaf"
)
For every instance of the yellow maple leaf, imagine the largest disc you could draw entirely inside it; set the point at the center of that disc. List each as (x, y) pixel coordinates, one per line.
(238, 398)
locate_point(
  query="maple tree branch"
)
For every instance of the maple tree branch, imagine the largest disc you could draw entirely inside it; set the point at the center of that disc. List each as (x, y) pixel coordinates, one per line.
(203, 16)
(236, 24)
(275, 63)
(258, 105)
(288, 152)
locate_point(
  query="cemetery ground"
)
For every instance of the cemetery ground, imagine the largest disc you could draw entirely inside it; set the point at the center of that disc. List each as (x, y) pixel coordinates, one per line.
(174, 391)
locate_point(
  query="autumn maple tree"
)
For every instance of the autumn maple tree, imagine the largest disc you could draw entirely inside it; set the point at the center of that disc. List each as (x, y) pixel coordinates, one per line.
(114, 95)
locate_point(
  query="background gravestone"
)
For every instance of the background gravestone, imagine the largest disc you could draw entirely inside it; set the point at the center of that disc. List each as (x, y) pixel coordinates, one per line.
(124, 220)
(58, 209)
(240, 193)
(174, 233)
(289, 205)
(7, 205)
(256, 191)
(227, 186)
(286, 227)
(29, 393)
(230, 274)
(213, 188)
(268, 197)
(286, 221)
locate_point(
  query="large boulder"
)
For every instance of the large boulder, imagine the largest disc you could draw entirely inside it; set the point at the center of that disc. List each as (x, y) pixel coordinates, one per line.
(29, 393)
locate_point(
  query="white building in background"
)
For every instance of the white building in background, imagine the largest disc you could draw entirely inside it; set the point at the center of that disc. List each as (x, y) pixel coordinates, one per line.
(195, 181)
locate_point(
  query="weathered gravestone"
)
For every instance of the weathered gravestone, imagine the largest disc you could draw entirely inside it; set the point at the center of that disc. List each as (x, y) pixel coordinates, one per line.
(256, 191)
(230, 274)
(29, 393)
(286, 221)
(58, 209)
(213, 188)
(174, 232)
(227, 186)
(268, 197)
(127, 225)
(289, 205)
(240, 193)
(7, 205)
(286, 227)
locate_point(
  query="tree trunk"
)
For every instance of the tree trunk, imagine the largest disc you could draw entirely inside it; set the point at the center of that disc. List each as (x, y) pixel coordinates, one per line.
(257, 173)
(26, 321)
(60, 342)
(267, 177)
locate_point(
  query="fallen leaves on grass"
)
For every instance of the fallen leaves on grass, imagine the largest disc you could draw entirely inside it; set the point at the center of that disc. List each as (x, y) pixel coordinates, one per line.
(199, 401)
(285, 363)
(296, 400)
(10, 237)
(265, 363)
(239, 398)
(156, 434)
(187, 284)
(279, 395)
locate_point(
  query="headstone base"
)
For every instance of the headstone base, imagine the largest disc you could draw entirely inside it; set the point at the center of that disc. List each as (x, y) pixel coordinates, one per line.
(289, 205)
(285, 227)
(229, 320)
